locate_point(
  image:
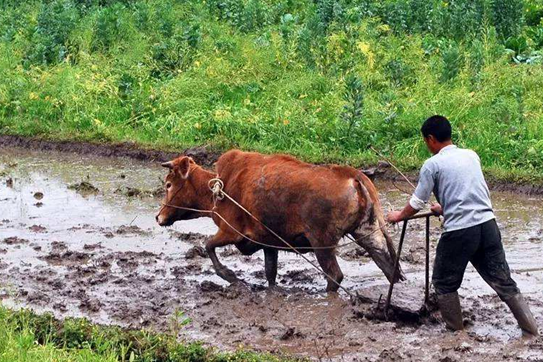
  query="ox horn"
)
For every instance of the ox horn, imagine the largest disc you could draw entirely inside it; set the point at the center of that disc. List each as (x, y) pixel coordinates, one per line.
(168, 164)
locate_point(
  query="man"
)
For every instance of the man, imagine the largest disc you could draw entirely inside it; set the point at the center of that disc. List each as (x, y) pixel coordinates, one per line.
(471, 234)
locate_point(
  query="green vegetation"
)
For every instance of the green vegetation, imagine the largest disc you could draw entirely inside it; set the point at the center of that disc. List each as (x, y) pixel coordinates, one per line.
(321, 79)
(25, 336)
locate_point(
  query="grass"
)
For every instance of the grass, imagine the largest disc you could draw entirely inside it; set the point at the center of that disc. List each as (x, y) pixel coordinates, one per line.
(322, 79)
(28, 337)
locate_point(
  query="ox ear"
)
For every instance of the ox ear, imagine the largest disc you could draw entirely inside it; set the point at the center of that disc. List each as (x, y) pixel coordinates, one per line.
(168, 164)
(184, 167)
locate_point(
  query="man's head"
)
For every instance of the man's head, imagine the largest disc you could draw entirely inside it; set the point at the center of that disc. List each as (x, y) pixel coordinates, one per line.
(436, 131)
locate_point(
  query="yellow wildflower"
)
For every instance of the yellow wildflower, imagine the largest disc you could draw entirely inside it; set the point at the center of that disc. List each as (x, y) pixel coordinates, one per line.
(384, 28)
(221, 114)
(365, 49)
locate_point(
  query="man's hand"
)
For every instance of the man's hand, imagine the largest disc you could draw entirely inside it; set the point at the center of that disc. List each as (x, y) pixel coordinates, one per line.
(397, 216)
(394, 217)
(436, 209)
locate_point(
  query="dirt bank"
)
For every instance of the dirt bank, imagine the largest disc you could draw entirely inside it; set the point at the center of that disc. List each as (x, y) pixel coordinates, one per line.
(101, 255)
(128, 150)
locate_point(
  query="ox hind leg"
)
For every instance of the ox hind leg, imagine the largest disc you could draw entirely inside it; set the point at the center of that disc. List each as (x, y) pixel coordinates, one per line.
(218, 240)
(328, 263)
(270, 265)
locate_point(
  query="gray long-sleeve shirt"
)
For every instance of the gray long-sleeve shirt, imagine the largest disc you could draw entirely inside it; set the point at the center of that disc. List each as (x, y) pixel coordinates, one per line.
(456, 178)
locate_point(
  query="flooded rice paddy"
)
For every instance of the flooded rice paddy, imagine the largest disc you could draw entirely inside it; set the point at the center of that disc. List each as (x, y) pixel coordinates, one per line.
(78, 238)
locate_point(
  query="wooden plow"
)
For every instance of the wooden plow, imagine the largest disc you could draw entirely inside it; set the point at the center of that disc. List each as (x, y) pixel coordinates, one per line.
(424, 308)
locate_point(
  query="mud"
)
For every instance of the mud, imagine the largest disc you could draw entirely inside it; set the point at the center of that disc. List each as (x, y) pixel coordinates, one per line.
(13, 240)
(84, 187)
(102, 256)
(135, 192)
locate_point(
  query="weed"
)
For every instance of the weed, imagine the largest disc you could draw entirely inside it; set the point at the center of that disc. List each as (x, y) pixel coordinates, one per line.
(354, 99)
(26, 336)
(50, 41)
(177, 321)
(508, 17)
(452, 62)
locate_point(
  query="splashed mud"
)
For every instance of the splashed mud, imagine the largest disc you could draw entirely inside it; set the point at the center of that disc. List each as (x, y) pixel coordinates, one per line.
(101, 255)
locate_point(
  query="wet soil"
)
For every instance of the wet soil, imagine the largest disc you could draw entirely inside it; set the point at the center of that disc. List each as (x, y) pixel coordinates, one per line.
(100, 255)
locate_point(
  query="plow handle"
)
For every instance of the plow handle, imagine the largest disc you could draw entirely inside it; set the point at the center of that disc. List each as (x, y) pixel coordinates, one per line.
(422, 215)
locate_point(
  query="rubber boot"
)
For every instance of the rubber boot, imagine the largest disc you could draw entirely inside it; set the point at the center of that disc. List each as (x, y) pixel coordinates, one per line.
(449, 306)
(523, 315)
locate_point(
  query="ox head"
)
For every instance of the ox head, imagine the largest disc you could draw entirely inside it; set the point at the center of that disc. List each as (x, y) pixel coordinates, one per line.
(180, 192)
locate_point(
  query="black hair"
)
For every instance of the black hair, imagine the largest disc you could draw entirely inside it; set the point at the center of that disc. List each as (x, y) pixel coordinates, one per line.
(437, 126)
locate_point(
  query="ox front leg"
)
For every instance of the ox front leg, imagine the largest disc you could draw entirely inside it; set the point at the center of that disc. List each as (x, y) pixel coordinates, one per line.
(328, 262)
(218, 240)
(270, 262)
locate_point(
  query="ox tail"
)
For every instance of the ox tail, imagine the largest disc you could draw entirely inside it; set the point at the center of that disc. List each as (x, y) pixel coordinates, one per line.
(373, 215)
(369, 211)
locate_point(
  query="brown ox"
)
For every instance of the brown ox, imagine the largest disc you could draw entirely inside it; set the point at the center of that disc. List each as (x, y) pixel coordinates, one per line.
(308, 205)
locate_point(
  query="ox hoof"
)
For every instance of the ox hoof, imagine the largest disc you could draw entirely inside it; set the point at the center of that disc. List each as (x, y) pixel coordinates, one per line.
(228, 275)
(332, 288)
(275, 289)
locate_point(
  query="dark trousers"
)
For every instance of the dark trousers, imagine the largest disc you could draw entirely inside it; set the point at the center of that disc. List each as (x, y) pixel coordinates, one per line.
(482, 246)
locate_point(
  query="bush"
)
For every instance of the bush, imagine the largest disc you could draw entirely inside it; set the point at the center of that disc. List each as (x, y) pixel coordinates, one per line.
(536, 35)
(109, 27)
(534, 12)
(508, 17)
(465, 18)
(398, 72)
(175, 54)
(50, 42)
(517, 44)
(246, 16)
(452, 62)
(476, 59)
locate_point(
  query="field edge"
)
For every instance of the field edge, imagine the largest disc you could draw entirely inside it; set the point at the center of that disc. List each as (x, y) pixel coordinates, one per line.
(498, 180)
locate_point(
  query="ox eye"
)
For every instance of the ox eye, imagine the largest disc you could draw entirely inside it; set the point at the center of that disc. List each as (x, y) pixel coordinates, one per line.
(168, 185)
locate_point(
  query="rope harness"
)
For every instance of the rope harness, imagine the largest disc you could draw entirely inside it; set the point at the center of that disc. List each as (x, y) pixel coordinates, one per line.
(216, 185)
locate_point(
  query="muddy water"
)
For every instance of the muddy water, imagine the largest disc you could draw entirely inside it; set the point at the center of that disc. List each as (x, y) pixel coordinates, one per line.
(79, 251)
